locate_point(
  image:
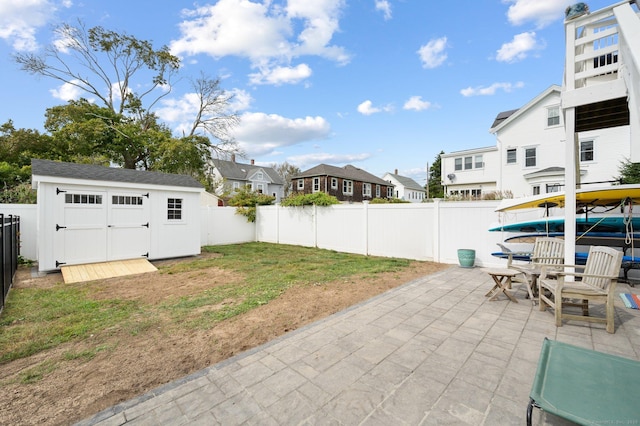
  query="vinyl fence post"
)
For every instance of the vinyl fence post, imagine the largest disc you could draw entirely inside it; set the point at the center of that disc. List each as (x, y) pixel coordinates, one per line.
(435, 243)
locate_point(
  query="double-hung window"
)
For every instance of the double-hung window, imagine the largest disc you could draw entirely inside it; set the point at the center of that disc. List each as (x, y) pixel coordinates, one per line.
(478, 163)
(377, 191)
(512, 156)
(316, 184)
(468, 163)
(553, 116)
(586, 151)
(530, 157)
(458, 164)
(334, 183)
(366, 190)
(300, 184)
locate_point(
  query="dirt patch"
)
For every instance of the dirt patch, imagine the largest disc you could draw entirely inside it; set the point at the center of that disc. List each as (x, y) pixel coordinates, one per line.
(130, 364)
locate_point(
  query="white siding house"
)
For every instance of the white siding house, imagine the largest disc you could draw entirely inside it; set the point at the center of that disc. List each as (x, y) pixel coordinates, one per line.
(530, 153)
(470, 173)
(406, 188)
(89, 214)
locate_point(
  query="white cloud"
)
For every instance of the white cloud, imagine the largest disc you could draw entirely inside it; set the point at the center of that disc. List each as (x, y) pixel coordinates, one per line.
(541, 12)
(367, 108)
(433, 53)
(385, 7)
(260, 133)
(281, 75)
(416, 103)
(491, 90)
(518, 48)
(267, 34)
(67, 91)
(19, 21)
(241, 100)
(309, 160)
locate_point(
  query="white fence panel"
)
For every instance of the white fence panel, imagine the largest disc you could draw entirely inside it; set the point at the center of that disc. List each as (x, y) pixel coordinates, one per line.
(267, 224)
(401, 230)
(464, 225)
(221, 225)
(342, 228)
(28, 227)
(296, 226)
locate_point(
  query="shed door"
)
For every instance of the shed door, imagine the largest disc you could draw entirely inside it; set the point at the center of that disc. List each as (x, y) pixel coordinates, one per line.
(81, 232)
(128, 225)
(99, 226)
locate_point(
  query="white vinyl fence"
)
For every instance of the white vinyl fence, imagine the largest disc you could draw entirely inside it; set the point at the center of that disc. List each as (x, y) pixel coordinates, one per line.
(426, 231)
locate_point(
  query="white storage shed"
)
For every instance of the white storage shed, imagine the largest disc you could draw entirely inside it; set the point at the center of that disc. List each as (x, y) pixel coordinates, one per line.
(89, 214)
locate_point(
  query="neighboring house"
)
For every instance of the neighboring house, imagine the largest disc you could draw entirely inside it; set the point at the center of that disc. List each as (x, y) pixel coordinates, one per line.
(470, 173)
(348, 183)
(233, 176)
(530, 154)
(406, 188)
(89, 214)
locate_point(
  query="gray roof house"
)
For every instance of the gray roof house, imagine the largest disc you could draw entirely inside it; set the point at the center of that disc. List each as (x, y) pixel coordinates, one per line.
(233, 175)
(406, 188)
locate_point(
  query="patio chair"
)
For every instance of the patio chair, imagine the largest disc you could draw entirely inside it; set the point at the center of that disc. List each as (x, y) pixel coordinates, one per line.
(546, 251)
(597, 284)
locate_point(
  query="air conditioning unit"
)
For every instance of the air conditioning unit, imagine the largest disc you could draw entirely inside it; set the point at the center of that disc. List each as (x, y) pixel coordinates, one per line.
(451, 176)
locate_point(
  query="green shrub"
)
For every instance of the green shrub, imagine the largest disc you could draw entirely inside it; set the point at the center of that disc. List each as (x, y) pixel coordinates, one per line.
(317, 198)
(388, 201)
(245, 202)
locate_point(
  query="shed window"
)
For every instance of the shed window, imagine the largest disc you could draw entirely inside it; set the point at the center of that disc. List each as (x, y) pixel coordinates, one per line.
(126, 200)
(174, 208)
(82, 199)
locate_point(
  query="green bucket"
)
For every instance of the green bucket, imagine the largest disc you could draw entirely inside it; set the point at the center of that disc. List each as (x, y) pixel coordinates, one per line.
(466, 257)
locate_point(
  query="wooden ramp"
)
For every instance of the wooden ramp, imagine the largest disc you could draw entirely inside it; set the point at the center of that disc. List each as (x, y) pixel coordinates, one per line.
(97, 271)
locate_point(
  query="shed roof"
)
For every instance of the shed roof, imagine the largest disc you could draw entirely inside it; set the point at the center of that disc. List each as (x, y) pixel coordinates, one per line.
(346, 172)
(241, 171)
(110, 174)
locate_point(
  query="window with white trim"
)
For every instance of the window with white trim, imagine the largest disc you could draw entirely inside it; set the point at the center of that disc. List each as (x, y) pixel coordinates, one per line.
(334, 183)
(536, 190)
(126, 200)
(259, 176)
(553, 116)
(512, 156)
(236, 186)
(530, 157)
(174, 208)
(377, 191)
(316, 184)
(300, 184)
(259, 188)
(366, 190)
(458, 164)
(468, 163)
(389, 191)
(553, 187)
(478, 161)
(586, 151)
(347, 187)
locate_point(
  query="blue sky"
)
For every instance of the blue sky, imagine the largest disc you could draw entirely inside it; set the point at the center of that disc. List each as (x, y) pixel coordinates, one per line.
(379, 84)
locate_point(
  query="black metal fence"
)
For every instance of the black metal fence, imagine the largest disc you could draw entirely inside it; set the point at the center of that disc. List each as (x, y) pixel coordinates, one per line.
(9, 252)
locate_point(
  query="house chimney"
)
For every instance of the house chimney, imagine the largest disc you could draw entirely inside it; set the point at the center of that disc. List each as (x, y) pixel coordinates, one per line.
(233, 158)
(396, 172)
(253, 161)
